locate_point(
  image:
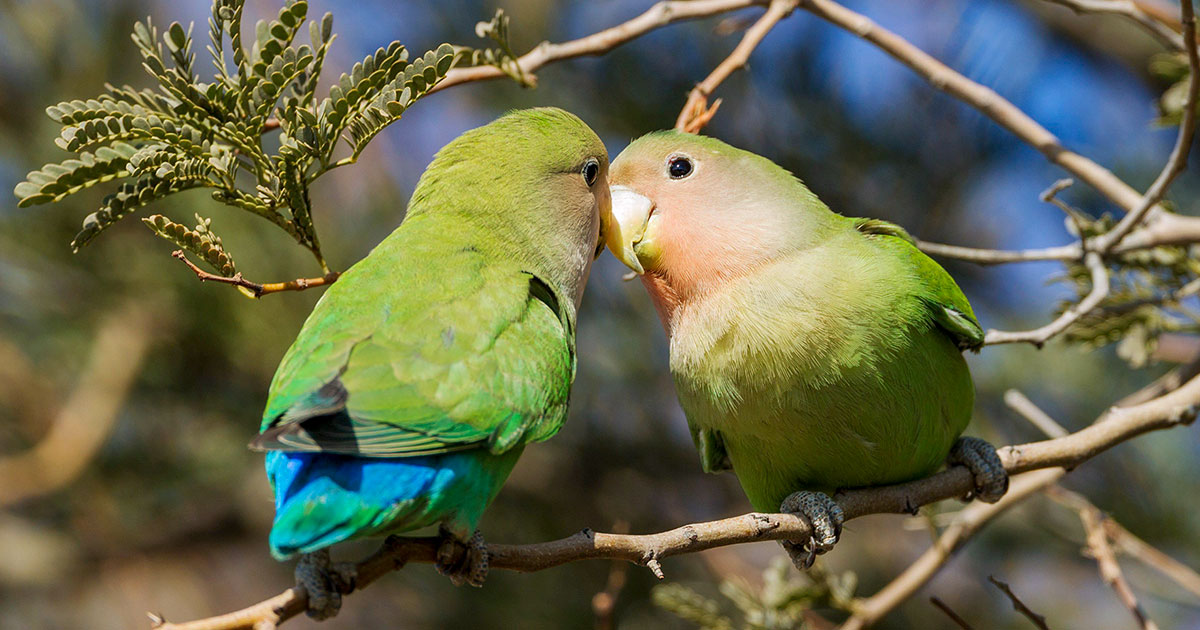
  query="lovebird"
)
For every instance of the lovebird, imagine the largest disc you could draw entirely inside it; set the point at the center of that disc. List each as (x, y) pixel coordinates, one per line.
(422, 373)
(810, 351)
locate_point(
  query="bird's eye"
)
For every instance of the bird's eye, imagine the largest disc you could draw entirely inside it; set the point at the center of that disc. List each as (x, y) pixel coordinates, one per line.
(590, 171)
(679, 167)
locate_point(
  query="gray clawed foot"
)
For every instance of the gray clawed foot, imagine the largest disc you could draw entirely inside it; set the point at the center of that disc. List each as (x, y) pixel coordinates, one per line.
(325, 583)
(824, 515)
(991, 480)
(463, 562)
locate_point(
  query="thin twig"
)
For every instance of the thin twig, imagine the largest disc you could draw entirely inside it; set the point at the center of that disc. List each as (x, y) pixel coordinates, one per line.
(696, 112)
(604, 603)
(1106, 560)
(1021, 404)
(966, 524)
(254, 289)
(962, 623)
(1039, 336)
(1019, 605)
(1128, 543)
(981, 97)
(984, 256)
(657, 16)
(1132, 11)
(1177, 161)
(1116, 426)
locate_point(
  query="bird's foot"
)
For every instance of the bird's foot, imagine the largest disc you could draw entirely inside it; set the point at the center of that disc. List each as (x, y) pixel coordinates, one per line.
(325, 582)
(463, 562)
(825, 517)
(991, 480)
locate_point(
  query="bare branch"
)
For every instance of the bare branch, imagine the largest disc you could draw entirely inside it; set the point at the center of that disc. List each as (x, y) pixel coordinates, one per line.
(1130, 544)
(967, 522)
(1000, 256)
(88, 415)
(1177, 162)
(696, 113)
(254, 289)
(1021, 404)
(1039, 336)
(1116, 426)
(983, 98)
(1019, 605)
(657, 16)
(1110, 571)
(1130, 10)
(959, 621)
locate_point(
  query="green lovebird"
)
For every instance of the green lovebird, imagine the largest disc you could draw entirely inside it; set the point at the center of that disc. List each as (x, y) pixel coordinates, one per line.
(423, 372)
(810, 351)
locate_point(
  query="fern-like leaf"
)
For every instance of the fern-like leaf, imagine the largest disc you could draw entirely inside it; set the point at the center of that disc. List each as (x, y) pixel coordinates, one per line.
(199, 240)
(53, 182)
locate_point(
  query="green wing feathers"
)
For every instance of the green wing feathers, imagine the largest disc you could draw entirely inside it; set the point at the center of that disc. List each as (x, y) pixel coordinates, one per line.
(382, 373)
(948, 306)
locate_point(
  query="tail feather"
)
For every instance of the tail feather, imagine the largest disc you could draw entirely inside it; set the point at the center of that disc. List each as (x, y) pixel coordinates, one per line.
(325, 498)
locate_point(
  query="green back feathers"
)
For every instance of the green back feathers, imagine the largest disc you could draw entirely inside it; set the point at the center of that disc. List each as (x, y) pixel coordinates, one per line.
(947, 305)
(455, 332)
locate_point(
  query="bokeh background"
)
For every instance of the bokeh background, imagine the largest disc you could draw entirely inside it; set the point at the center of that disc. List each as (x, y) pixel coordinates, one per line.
(165, 377)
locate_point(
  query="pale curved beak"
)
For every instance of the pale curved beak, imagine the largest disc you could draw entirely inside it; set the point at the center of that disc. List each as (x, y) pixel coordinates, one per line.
(627, 226)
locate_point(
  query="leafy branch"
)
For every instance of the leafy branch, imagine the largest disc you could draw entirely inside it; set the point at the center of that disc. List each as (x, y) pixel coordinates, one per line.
(186, 133)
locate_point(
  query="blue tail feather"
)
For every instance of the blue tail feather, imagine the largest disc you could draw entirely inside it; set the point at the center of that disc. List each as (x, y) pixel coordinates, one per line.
(323, 498)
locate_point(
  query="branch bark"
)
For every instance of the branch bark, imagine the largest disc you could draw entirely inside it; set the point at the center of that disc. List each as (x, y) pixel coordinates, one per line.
(1116, 426)
(657, 16)
(254, 289)
(1106, 560)
(696, 113)
(1132, 11)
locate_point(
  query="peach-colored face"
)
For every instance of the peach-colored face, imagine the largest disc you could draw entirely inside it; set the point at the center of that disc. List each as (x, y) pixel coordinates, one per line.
(689, 215)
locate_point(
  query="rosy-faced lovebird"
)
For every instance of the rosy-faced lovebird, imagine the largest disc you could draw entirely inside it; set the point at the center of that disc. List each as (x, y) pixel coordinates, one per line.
(811, 352)
(420, 376)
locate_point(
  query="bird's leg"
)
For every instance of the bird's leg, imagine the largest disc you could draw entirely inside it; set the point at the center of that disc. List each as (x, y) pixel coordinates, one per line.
(825, 517)
(325, 583)
(991, 480)
(463, 562)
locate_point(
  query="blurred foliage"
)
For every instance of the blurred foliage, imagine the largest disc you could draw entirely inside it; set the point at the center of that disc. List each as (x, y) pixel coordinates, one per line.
(1148, 295)
(779, 604)
(1171, 68)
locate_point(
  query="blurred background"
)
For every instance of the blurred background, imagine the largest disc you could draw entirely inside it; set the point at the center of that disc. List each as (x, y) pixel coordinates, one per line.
(140, 386)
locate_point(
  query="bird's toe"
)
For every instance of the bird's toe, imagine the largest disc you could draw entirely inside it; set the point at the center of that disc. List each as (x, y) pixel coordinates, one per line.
(825, 517)
(324, 582)
(991, 479)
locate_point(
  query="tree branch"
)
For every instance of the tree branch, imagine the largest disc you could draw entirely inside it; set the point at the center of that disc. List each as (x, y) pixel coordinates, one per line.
(1177, 161)
(657, 16)
(88, 414)
(1039, 336)
(1116, 426)
(696, 113)
(254, 289)
(1019, 605)
(983, 98)
(1097, 546)
(1129, 10)
(966, 523)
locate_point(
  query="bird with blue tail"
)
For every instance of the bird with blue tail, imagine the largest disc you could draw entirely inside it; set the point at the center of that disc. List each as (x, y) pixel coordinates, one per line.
(420, 376)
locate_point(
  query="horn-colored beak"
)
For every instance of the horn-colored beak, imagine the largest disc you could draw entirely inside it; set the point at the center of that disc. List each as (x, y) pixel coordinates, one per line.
(626, 229)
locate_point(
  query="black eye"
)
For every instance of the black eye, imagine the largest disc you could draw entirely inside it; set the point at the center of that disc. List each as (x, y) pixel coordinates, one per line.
(591, 170)
(679, 167)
